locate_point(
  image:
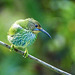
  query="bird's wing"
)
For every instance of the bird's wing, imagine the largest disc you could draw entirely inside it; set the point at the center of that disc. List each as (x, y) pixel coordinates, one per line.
(15, 28)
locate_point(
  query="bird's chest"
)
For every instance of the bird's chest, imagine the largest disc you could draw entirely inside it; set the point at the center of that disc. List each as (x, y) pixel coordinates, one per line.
(23, 39)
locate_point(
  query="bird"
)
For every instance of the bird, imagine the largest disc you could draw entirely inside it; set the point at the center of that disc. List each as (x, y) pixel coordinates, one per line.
(23, 33)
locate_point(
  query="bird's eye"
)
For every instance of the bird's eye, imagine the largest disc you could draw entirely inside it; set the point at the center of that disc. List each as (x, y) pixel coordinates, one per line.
(36, 25)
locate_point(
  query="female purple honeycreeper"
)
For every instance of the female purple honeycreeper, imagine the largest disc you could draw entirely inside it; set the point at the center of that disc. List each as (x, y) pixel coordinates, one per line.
(23, 33)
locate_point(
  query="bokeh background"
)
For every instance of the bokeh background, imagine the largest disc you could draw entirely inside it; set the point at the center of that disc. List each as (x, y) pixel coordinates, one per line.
(58, 18)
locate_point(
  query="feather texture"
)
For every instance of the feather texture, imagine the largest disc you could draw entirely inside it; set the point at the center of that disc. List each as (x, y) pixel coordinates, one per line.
(22, 39)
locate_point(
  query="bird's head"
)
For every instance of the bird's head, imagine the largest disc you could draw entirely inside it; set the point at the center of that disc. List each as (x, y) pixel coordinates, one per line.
(32, 25)
(35, 27)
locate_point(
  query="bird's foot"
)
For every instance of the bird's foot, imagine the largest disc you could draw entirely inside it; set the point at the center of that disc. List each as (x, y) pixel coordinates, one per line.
(12, 48)
(26, 53)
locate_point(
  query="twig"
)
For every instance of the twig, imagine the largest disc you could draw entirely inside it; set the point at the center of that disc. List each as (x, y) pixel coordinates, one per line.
(38, 60)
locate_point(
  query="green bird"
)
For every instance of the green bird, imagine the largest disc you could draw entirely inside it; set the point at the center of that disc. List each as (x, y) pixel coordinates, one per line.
(23, 33)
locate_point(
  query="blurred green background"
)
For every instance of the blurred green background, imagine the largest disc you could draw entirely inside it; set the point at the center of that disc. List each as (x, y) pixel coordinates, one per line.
(58, 18)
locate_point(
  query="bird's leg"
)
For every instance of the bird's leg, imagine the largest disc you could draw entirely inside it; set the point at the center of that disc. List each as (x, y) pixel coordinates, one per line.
(12, 47)
(26, 53)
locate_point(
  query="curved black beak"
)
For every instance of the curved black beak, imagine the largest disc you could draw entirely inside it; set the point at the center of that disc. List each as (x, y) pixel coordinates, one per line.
(45, 32)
